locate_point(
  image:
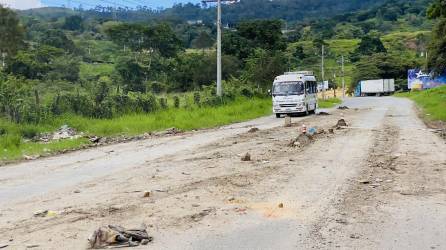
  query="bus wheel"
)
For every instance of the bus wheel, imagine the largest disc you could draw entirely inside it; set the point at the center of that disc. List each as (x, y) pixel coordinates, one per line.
(277, 115)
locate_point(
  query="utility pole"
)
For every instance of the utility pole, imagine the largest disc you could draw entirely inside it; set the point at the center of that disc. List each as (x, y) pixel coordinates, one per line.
(343, 77)
(219, 87)
(323, 72)
(115, 14)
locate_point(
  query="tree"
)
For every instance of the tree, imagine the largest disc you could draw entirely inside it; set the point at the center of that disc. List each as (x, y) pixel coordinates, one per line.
(347, 31)
(57, 38)
(204, 40)
(12, 33)
(34, 63)
(368, 46)
(13, 96)
(131, 74)
(73, 23)
(65, 68)
(160, 38)
(236, 45)
(437, 47)
(266, 34)
(263, 66)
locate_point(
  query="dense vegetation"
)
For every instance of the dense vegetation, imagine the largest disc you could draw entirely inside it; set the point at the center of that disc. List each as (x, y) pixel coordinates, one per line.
(62, 66)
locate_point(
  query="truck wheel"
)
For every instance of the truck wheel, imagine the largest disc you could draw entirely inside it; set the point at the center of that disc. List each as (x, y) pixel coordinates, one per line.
(277, 115)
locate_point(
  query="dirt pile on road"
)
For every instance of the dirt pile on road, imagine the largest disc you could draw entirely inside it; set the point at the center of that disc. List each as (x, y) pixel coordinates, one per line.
(301, 141)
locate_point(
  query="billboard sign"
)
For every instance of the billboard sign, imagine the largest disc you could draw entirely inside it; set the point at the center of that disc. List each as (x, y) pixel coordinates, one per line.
(417, 79)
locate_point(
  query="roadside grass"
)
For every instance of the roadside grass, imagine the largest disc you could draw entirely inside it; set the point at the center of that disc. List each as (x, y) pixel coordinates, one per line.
(15, 143)
(432, 102)
(329, 103)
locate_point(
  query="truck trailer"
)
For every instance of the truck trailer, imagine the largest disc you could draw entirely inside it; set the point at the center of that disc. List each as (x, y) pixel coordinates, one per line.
(375, 87)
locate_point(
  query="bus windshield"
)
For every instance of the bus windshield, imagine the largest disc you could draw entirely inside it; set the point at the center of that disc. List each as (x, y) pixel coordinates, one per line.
(288, 88)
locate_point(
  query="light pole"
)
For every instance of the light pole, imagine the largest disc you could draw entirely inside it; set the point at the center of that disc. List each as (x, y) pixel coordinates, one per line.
(219, 87)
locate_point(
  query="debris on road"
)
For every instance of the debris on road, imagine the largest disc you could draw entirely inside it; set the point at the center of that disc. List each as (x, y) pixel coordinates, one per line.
(147, 194)
(312, 131)
(3, 245)
(253, 130)
(246, 157)
(301, 141)
(280, 205)
(303, 130)
(44, 213)
(364, 181)
(32, 246)
(170, 131)
(343, 107)
(287, 121)
(354, 236)
(117, 236)
(30, 157)
(199, 216)
(341, 123)
(323, 113)
(94, 139)
(64, 132)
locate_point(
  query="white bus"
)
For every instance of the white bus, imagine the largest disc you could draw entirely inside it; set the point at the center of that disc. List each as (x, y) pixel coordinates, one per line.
(294, 92)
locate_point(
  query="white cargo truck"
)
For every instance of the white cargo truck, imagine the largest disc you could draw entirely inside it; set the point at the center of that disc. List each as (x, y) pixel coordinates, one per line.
(377, 87)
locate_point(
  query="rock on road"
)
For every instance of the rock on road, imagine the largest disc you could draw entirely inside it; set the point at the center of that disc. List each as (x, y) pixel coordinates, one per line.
(379, 184)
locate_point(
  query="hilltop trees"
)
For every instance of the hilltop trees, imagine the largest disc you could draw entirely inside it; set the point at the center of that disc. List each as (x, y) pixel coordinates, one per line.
(368, 46)
(264, 34)
(437, 48)
(160, 38)
(73, 23)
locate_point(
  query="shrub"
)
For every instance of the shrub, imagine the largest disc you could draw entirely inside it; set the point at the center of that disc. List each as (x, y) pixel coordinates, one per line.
(246, 92)
(163, 103)
(197, 98)
(10, 141)
(176, 101)
(29, 132)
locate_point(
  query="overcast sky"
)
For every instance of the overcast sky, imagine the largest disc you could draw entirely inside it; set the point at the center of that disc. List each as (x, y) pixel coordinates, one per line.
(28, 4)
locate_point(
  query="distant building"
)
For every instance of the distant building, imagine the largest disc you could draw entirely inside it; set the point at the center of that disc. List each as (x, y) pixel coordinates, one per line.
(195, 22)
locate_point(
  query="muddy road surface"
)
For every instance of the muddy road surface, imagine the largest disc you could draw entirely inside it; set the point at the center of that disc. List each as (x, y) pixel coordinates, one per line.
(380, 183)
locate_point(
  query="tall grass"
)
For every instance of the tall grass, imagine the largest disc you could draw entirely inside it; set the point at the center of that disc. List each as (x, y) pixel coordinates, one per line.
(329, 103)
(14, 145)
(432, 102)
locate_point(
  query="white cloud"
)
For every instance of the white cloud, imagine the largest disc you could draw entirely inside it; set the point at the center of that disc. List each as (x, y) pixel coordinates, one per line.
(22, 4)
